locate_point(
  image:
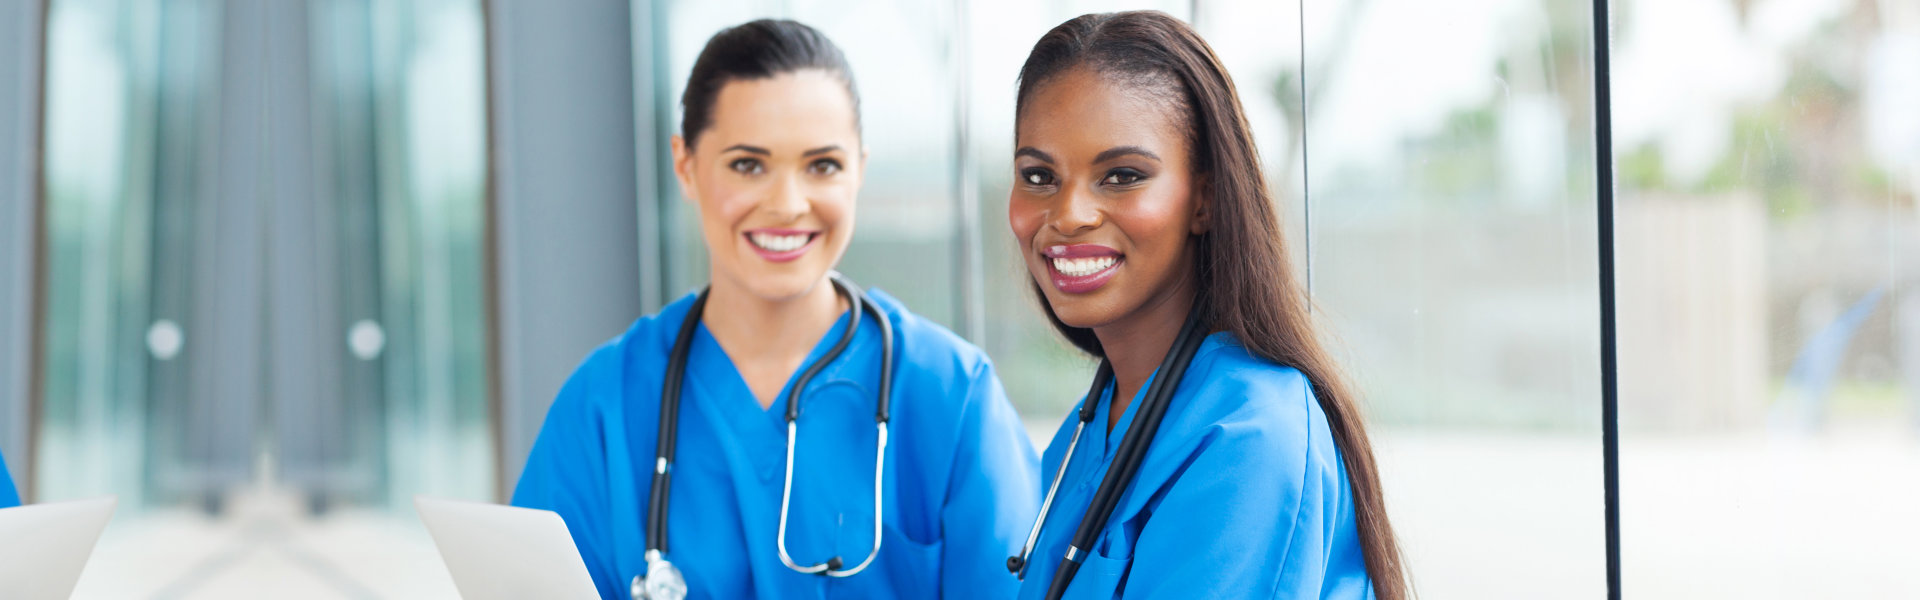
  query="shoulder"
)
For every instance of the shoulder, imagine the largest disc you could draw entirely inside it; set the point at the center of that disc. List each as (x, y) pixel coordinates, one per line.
(929, 349)
(1239, 381)
(1241, 402)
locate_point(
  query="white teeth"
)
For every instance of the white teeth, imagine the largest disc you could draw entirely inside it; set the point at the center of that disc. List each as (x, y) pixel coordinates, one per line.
(1081, 267)
(778, 243)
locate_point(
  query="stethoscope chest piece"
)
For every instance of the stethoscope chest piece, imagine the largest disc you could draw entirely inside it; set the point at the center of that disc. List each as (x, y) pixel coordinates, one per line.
(662, 582)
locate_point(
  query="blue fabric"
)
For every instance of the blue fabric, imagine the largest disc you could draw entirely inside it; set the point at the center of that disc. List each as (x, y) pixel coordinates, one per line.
(8, 497)
(960, 479)
(1241, 495)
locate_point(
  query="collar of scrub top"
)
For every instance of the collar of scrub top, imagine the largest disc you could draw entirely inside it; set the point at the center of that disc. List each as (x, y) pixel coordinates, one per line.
(1126, 461)
(663, 580)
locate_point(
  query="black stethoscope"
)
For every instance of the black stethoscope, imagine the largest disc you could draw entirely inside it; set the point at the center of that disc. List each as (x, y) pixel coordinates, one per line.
(663, 581)
(1133, 448)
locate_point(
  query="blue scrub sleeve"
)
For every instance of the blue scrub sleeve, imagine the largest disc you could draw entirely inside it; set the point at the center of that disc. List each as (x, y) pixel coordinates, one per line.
(993, 496)
(1242, 521)
(8, 497)
(567, 470)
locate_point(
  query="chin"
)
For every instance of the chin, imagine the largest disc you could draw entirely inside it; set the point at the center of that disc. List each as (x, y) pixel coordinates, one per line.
(782, 286)
(1079, 315)
(1078, 311)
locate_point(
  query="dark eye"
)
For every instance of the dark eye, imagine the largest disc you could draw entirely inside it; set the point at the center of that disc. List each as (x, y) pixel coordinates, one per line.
(747, 166)
(1037, 176)
(1123, 177)
(824, 166)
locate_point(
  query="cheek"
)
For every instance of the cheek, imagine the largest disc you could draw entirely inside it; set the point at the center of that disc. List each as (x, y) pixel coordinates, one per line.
(732, 197)
(1024, 219)
(723, 203)
(833, 204)
(1158, 222)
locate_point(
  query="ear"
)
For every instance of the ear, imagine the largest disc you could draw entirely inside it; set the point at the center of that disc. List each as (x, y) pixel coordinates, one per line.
(1202, 220)
(683, 168)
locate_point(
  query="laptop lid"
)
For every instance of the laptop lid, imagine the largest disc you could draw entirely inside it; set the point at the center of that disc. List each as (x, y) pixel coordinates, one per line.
(505, 552)
(43, 547)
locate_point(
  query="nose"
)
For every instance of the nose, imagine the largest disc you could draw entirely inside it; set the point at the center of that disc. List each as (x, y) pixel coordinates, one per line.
(1077, 211)
(787, 200)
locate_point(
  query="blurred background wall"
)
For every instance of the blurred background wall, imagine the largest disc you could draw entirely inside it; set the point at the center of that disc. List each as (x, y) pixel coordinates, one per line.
(19, 234)
(268, 269)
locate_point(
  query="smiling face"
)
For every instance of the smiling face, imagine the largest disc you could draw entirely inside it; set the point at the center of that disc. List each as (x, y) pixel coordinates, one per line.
(1104, 201)
(775, 175)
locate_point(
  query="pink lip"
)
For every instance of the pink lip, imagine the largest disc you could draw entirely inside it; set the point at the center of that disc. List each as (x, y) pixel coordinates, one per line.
(1081, 284)
(813, 237)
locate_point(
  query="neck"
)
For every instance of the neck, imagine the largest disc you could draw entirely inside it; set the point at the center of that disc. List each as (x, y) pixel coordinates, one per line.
(1137, 344)
(768, 336)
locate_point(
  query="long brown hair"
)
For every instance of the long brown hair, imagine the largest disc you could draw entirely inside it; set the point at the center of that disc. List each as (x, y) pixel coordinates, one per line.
(1246, 284)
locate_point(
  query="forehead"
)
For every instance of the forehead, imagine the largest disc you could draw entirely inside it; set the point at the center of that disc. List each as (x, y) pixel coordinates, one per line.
(1083, 112)
(801, 109)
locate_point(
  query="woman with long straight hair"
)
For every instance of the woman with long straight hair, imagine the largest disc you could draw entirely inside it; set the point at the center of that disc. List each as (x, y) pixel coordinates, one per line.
(781, 433)
(1220, 453)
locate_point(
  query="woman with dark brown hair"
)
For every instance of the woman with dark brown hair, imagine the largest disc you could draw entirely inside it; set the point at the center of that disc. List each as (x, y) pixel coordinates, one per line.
(781, 433)
(1223, 453)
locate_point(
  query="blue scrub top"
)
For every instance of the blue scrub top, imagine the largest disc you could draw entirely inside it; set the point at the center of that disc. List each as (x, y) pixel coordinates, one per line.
(1242, 494)
(8, 497)
(960, 475)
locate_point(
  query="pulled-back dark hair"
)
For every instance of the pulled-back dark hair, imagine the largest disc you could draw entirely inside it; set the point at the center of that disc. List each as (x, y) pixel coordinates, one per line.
(757, 50)
(1246, 284)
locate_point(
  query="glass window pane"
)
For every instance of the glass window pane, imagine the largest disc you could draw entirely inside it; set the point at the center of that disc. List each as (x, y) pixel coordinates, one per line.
(124, 150)
(1453, 253)
(1769, 161)
(404, 137)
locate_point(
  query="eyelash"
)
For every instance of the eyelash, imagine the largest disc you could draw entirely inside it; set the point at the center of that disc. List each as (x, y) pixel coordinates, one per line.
(1113, 177)
(1119, 177)
(824, 167)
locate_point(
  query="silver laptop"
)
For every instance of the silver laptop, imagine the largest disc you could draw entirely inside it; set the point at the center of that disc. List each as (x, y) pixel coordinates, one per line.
(505, 552)
(43, 547)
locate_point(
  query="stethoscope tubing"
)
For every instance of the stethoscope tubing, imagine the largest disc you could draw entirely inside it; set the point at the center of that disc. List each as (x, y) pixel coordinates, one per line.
(1133, 449)
(664, 452)
(667, 444)
(1019, 564)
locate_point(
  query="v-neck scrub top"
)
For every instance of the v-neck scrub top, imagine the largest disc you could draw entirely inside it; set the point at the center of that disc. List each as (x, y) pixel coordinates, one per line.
(960, 484)
(1242, 493)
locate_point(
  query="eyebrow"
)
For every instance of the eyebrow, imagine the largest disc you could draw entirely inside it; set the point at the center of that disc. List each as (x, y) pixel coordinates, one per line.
(764, 152)
(1117, 152)
(1031, 151)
